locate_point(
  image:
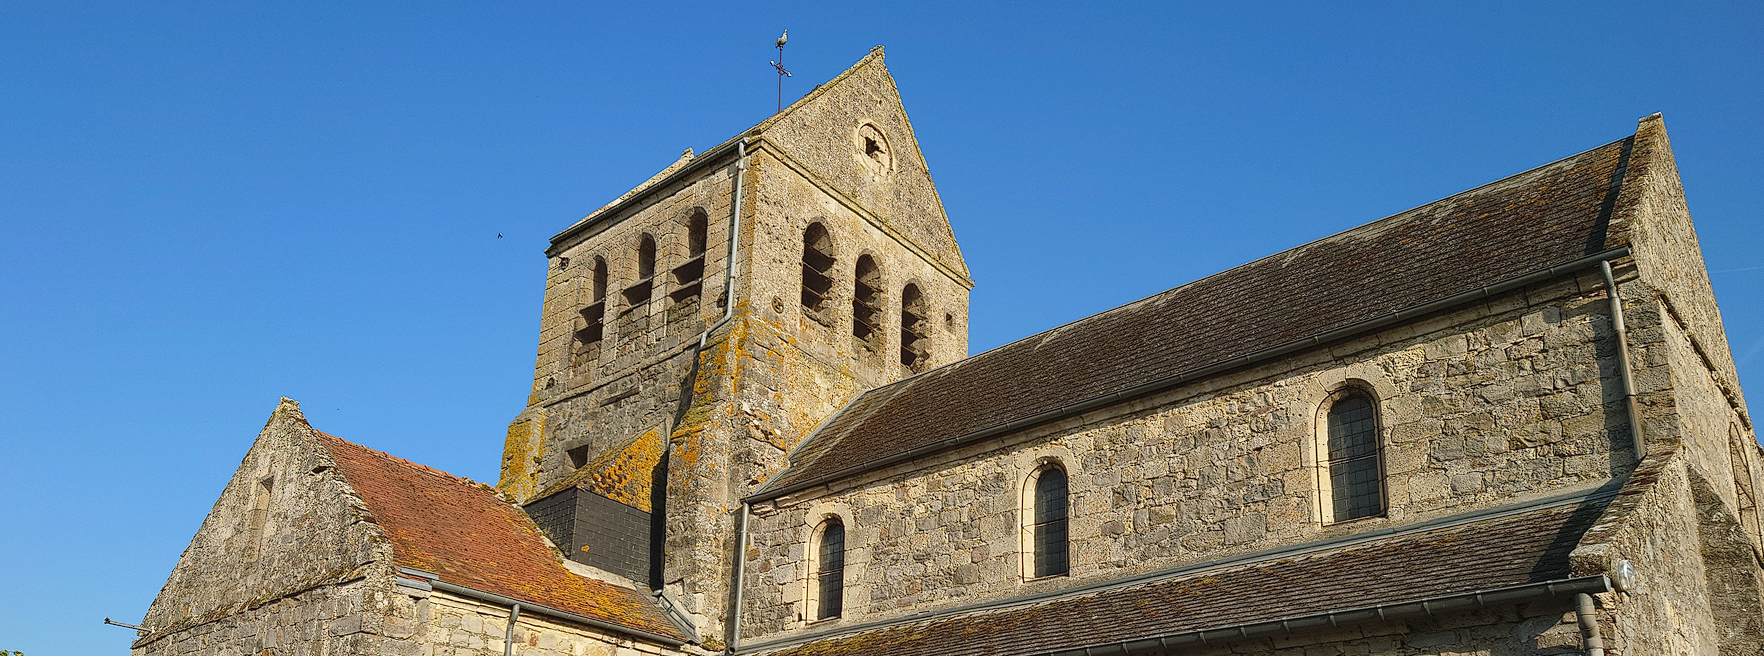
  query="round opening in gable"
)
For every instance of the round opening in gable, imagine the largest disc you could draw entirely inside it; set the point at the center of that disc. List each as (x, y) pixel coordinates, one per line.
(873, 150)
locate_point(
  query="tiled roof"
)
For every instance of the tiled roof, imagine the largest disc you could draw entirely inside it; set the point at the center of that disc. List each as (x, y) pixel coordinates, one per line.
(1495, 552)
(1554, 214)
(461, 531)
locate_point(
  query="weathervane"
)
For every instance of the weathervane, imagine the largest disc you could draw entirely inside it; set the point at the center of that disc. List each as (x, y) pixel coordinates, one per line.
(780, 66)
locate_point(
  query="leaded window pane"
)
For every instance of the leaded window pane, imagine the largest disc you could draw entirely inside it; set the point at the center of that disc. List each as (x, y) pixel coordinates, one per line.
(1049, 527)
(830, 575)
(1354, 476)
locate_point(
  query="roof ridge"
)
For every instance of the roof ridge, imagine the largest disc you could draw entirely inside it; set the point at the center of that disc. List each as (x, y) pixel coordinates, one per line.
(417, 465)
(1608, 490)
(1136, 304)
(875, 54)
(1365, 227)
(680, 162)
(710, 154)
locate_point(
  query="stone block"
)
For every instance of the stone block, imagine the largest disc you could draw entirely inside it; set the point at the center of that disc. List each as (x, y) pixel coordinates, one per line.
(1249, 528)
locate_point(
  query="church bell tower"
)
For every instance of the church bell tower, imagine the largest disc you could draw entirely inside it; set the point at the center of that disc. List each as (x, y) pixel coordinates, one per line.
(698, 327)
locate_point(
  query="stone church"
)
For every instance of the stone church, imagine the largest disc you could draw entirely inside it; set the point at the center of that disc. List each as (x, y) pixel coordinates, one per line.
(1504, 422)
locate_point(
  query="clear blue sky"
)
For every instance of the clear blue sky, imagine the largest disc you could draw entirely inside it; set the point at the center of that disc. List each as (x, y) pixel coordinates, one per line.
(204, 208)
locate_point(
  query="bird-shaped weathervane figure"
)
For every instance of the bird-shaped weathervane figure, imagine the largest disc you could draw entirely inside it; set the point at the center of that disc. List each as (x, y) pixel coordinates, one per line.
(780, 66)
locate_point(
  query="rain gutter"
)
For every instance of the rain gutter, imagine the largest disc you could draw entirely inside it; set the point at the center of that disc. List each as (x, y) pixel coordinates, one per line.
(1427, 607)
(421, 580)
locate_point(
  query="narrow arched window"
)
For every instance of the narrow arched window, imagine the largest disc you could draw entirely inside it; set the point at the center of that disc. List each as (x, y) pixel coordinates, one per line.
(599, 279)
(830, 570)
(817, 260)
(1048, 528)
(689, 275)
(696, 228)
(866, 302)
(640, 290)
(592, 326)
(260, 503)
(914, 330)
(1356, 480)
(646, 257)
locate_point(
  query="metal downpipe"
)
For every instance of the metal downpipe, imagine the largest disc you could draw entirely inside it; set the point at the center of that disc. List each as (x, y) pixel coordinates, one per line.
(734, 245)
(514, 615)
(1635, 432)
(732, 626)
(732, 620)
(1589, 625)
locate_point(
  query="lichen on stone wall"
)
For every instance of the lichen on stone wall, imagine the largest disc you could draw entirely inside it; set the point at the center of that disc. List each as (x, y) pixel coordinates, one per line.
(522, 455)
(625, 474)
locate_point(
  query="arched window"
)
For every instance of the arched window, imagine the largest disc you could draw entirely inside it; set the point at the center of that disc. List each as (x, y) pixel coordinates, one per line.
(599, 282)
(689, 276)
(817, 260)
(866, 302)
(1356, 479)
(829, 569)
(639, 291)
(646, 257)
(915, 331)
(1045, 531)
(696, 228)
(592, 326)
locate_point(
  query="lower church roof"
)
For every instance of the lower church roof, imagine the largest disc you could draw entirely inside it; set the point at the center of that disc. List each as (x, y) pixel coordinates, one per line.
(1501, 556)
(463, 533)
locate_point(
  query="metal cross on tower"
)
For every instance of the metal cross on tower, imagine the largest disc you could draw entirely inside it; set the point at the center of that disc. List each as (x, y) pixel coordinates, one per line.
(780, 66)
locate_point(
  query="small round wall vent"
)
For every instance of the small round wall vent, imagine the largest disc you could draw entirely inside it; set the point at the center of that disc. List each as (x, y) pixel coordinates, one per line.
(873, 150)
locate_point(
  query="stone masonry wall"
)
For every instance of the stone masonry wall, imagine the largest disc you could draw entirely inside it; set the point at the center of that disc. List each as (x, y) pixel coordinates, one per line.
(853, 138)
(448, 625)
(1656, 528)
(1508, 399)
(773, 375)
(601, 395)
(284, 562)
(766, 379)
(1652, 215)
(351, 618)
(795, 202)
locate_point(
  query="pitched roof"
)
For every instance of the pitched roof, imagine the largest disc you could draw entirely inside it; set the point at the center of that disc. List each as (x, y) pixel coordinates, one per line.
(689, 160)
(865, 88)
(461, 531)
(1482, 552)
(1550, 215)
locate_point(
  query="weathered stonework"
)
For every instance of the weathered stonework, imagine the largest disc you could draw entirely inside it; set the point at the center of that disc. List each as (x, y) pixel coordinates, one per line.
(1513, 397)
(700, 333)
(282, 562)
(1498, 402)
(448, 625)
(734, 396)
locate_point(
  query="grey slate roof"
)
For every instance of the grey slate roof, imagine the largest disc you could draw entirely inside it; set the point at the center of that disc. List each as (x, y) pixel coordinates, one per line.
(1534, 220)
(1455, 556)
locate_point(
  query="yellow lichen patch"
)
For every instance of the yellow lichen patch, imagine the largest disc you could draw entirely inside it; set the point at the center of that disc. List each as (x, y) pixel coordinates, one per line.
(625, 474)
(520, 462)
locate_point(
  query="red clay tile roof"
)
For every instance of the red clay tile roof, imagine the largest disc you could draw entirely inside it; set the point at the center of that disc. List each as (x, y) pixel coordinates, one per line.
(1554, 214)
(461, 531)
(1505, 550)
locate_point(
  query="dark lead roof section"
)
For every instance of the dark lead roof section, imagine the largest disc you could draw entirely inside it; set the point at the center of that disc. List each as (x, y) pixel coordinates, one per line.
(1547, 216)
(1499, 551)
